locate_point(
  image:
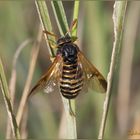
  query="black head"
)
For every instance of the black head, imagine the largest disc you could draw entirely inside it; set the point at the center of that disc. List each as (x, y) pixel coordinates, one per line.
(67, 49)
(64, 39)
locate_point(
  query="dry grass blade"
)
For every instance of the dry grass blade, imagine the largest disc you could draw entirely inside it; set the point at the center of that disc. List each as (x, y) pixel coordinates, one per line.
(123, 106)
(33, 59)
(12, 84)
(118, 19)
(6, 96)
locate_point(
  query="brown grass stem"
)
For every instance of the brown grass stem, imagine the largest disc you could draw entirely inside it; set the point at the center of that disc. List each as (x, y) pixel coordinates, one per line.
(33, 59)
(118, 19)
(130, 34)
(12, 83)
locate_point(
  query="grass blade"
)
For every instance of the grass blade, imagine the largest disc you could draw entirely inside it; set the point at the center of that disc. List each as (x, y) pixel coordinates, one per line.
(34, 55)
(46, 24)
(125, 81)
(6, 96)
(118, 19)
(75, 16)
(60, 16)
(12, 84)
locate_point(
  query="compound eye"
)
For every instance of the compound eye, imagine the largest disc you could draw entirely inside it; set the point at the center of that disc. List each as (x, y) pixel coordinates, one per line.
(65, 53)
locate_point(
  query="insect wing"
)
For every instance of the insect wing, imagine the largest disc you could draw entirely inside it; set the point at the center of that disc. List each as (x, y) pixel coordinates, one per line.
(49, 81)
(91, 76)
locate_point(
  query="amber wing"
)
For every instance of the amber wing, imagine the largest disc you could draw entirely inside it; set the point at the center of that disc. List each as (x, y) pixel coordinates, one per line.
(91, 76)
(50, 79)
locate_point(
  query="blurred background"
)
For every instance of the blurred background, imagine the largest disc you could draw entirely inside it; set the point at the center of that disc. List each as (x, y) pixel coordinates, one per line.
(19, 22)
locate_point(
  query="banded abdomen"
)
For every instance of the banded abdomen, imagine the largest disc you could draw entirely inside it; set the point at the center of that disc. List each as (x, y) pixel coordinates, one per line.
(71, 81)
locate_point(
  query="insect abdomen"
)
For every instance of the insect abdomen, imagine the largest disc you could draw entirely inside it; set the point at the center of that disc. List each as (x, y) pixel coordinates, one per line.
(71, 81)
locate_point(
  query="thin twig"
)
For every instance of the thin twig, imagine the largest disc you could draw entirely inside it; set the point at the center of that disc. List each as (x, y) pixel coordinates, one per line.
(118, 19)
(6, 96)
(33, 59)
(12, 83)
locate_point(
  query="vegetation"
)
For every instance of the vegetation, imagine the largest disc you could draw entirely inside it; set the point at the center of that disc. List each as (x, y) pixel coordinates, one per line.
(25, 56)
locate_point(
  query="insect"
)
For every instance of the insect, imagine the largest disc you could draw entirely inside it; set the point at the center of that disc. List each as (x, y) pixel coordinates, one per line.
(70, 71)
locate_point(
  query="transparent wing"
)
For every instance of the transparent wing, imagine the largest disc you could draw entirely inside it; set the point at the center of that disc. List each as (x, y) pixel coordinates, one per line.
(91, 76)
(49, 80)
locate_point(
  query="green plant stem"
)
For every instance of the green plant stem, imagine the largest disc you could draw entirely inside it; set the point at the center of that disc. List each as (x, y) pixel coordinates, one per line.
(75, 16)
(118, 19)
(46, 24)
(6, 96)
(60, 16)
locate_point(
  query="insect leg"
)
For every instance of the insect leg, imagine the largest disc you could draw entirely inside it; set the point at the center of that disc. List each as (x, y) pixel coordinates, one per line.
(51, 34)
(51, 41)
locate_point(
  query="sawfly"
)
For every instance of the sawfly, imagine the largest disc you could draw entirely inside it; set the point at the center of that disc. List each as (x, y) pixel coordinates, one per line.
(70, 71)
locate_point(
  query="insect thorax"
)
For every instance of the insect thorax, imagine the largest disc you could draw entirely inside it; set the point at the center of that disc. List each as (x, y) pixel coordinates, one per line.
(68, 51)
